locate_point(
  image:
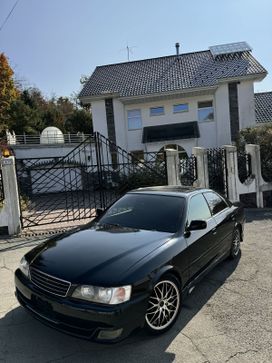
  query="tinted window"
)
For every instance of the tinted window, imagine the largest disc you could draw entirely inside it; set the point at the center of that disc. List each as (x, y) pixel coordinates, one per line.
(205, 111)
(143, 211)
(156, 111)
(216, 203)
(198, 209)
(182, 107)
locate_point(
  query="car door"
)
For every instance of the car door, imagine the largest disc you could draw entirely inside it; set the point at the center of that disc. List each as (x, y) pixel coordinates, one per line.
(200, 242)
(224, 219)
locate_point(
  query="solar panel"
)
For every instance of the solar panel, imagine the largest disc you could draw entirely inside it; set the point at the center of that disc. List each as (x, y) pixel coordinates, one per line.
(230, 48)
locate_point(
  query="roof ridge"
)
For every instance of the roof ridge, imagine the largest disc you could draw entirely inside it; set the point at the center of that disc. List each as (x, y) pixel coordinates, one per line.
(146, 59)
(261, 93)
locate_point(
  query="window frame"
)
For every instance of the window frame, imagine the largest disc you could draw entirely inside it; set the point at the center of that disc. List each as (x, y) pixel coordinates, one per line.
(223, 199)
(188, 208)
(157, 114)
(179, 104)
(205, 108)
(129, 118)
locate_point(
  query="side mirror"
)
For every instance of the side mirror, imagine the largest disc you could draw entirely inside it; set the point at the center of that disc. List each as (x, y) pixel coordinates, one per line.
(197, 225)
(99, 212)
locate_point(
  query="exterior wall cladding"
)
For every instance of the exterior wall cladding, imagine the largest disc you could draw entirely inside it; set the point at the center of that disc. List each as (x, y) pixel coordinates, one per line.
(233, 109)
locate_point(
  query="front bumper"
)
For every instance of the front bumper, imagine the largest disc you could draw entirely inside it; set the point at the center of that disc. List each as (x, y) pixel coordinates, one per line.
(90, 321)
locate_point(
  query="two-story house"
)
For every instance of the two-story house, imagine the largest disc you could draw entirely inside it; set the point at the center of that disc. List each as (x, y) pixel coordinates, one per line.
(184, 100)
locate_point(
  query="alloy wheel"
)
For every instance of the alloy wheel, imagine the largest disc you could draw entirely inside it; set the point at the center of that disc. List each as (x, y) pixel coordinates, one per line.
(163, 305)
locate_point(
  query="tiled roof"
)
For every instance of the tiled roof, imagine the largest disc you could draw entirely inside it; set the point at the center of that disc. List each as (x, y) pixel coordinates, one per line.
(167, 74)
(263, 107)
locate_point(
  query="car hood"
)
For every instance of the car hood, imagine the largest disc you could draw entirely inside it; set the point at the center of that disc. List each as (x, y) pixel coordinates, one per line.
(99, 255)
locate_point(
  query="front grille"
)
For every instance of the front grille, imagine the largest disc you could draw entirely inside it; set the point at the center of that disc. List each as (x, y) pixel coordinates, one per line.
(49, 283)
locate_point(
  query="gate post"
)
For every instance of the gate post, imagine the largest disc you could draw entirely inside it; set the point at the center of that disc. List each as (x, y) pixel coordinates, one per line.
(254, 152)
(11, 202)
(172, 162)
(232, 172)
(202, 167)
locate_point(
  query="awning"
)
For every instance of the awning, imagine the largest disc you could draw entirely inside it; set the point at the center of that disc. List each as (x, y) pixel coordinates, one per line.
(182, 130)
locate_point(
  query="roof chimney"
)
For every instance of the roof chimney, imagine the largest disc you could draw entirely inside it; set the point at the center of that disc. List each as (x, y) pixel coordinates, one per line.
(177, 48)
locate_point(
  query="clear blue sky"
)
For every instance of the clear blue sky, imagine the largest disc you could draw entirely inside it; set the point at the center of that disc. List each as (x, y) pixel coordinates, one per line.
(52, 43)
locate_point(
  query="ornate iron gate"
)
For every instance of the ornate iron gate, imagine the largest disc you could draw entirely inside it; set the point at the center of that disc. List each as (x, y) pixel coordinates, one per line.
(218, 172)
(188, 170)
(93, 175)
(244, 165)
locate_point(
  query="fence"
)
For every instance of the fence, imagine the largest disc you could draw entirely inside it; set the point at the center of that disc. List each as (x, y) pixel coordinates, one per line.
(2, 195)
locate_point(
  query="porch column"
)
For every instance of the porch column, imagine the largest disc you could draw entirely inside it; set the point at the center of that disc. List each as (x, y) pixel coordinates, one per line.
(232, 172)
(173, 168)
(202, 167)
(10, 213)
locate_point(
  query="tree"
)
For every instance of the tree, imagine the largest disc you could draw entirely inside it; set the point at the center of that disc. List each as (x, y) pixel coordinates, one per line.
(79, 121)
(8, 91)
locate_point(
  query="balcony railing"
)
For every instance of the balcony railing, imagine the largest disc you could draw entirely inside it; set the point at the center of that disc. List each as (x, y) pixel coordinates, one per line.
(24, 140)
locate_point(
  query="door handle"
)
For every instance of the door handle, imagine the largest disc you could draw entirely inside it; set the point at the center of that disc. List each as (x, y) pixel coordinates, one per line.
(214, 230)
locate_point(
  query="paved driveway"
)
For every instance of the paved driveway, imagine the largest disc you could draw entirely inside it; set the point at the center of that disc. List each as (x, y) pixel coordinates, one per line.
(227, 318)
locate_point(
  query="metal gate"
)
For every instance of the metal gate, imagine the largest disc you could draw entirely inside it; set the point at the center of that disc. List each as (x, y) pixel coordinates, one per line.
(93, 175)
(217, 169)
(188, 170)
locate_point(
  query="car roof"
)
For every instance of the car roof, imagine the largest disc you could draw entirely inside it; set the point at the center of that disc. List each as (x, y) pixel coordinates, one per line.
(173, 190)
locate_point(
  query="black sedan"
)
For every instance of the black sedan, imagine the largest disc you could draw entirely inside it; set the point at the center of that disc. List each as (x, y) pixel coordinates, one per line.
(131, 267)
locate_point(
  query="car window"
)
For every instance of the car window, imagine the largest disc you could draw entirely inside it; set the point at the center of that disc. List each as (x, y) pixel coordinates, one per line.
(216, 203)
(198, 209)
(146, 211)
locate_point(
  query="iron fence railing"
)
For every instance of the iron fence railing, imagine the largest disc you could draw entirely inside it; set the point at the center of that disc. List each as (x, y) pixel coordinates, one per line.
(244, 165)
(217, 169)
(46, 139)
(266, 167)
(188, 170)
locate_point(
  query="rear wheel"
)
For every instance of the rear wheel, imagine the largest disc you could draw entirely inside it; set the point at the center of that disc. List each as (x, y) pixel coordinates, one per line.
(236, 243)
(164, 305)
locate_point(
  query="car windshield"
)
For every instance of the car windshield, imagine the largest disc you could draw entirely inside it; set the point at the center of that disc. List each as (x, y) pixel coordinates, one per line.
(146, 211)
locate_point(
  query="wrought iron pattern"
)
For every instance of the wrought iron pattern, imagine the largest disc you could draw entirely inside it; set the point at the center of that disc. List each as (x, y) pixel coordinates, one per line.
(2, 195)
(266, 165)
(188, 170)
(244, 165)
(218, 178)
(93, 175)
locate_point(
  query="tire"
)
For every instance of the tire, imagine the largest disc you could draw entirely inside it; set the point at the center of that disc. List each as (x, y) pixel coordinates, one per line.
(235, 244)
(163, 306)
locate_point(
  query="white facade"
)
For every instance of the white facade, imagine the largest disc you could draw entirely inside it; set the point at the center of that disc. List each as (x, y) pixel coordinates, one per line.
(213, 133)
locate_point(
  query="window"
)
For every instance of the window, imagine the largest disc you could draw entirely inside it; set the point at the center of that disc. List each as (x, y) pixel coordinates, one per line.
(134, 119)
(205, 111)
(198, 209)
(182, 107)
(156, 111)
(149, 212)
(216, 203)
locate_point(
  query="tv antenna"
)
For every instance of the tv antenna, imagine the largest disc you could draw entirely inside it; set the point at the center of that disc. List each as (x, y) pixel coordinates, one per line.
(129, 51)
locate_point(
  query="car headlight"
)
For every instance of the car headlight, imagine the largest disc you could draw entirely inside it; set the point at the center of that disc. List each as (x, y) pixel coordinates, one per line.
(24, 266)
(104, 295)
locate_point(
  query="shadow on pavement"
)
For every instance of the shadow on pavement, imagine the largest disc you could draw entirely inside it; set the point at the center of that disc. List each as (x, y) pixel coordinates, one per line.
(258, 215)
(24, 339)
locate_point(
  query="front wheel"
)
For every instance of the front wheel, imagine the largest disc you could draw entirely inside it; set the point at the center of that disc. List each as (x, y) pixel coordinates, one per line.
(235, 245)
(164, 305)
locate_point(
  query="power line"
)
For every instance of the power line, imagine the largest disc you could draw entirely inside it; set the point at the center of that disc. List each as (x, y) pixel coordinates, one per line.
(9, 15)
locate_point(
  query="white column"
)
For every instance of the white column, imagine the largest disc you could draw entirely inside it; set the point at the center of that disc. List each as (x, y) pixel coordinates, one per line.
(232, 172)
(202, 167)
(12, 205)
(173, 169)
(254, 151)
